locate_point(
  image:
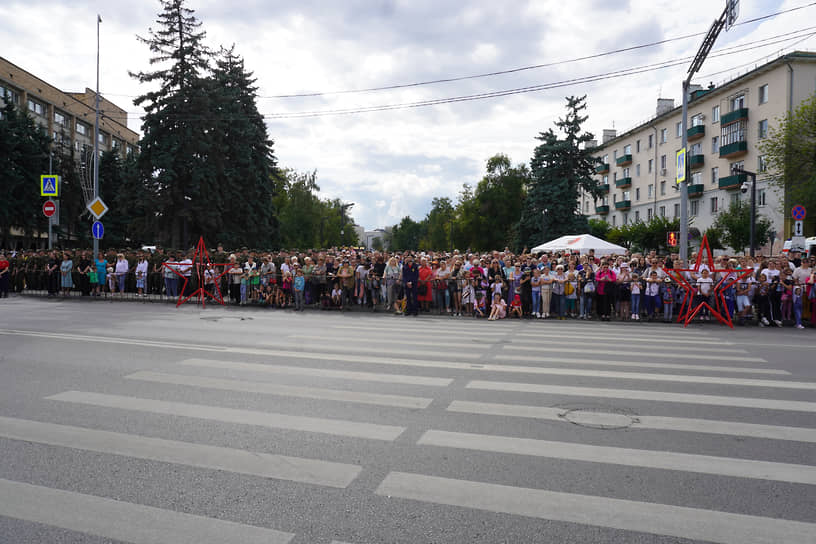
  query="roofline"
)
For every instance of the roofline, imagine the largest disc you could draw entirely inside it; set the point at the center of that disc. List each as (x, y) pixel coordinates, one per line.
(806, 56)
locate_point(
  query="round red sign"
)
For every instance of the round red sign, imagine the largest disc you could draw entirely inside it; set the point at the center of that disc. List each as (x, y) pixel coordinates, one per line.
(49, 208)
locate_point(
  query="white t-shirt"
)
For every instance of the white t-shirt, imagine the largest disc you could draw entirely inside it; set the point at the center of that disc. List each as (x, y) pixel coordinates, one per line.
(704, 285)
(770, 274)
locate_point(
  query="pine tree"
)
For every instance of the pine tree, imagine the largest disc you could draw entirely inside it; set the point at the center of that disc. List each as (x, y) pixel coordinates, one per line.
(560, 169)
(244, 161)
(176, 143)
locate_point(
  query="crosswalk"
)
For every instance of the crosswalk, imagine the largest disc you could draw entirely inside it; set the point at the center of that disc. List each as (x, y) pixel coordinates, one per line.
(431, 430)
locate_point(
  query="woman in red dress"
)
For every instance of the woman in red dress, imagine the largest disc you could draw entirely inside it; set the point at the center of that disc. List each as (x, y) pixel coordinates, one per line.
(425, 291)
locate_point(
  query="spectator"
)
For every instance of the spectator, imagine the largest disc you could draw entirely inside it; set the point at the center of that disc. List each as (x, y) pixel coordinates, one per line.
(120, 271)
(141, 276)
(499, 308)
(5, 277)
(410, 278)
(66, 271)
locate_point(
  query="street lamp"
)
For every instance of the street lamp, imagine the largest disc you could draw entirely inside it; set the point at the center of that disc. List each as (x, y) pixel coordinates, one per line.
(744, 189)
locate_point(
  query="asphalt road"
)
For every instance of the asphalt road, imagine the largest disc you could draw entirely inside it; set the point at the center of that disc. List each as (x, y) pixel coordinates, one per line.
(142, 423)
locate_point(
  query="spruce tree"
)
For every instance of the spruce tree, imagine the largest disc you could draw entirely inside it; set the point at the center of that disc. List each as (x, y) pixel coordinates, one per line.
(176, 143)
(560, 168)
(243, 156)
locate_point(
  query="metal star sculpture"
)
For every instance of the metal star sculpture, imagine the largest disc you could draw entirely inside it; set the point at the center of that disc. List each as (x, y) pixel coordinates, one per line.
(688, 311)
(199, 264)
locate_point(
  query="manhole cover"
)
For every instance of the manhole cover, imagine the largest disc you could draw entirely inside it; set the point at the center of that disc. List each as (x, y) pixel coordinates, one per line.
(599, 417)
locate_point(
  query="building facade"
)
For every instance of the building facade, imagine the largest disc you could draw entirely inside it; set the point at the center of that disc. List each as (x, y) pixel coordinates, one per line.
(67, 117)
(725, 127)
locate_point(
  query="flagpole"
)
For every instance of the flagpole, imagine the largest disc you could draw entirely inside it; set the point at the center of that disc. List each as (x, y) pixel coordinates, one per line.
(96, 135)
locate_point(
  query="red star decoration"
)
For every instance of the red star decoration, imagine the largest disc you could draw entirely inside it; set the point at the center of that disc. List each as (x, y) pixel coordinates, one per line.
(687, 311)
(200, 265)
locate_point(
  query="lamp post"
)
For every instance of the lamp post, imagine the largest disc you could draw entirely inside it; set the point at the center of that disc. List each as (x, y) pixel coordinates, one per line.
(744, 189)
(96, 135)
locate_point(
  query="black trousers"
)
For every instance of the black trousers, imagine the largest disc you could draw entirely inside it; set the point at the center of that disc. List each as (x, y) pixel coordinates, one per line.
(411, 304)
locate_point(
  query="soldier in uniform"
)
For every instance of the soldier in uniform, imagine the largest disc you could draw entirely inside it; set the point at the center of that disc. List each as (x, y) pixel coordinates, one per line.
(410, 279)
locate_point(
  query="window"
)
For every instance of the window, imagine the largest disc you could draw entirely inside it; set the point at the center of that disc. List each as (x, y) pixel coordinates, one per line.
(614, 176)
(733, 133)
(627, 149)
(606, 180)
(637, 217)
(694, 209)
(651, 165)
(637, 146)
(715, 175)
(697, 149)
(762, 164)
(651, 141)
(696, 178)
(102, 138)
(763, 93)
(679, 129)
(9, 94)
(760, 197)
(59, 118)
(715, 202)
(649, 214)
(625, 218)
(662, 188)
(735, 197)
(738, 102)
(626, 195)
(697, 120)
(35, 107)
(651, 190)
(637, 194)
(637, 170)
(715, 114)
(586, 206)
(739, 165)
(663, 135)
(626, 172)
(81, 129)
(605, 159)
(662, 162)
(762, 130)
(662, 211)
(715, 145)
(615, 198)
(677, 210)
(615, 154)
(614, 221)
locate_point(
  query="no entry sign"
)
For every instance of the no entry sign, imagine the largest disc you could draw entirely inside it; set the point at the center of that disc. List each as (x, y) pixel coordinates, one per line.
(49, 208)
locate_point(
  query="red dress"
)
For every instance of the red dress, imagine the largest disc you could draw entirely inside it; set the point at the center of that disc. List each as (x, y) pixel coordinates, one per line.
(425, 275)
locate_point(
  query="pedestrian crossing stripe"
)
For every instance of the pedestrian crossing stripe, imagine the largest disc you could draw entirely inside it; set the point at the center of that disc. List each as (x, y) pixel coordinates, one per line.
(49, 185)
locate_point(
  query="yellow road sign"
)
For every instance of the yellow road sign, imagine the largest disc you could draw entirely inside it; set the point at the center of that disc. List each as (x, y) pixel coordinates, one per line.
(681, 166)
(97, 208)
(49, 185)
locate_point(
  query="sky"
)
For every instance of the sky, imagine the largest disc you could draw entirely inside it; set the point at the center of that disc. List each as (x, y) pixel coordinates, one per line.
(393, 163)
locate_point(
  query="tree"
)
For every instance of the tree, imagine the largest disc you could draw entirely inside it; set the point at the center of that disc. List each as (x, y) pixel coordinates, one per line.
(598, 228)
(407, 234)
(790, 154)
(560, 169)
(440, 222)
(735, 226)
(23, 158)
(173, 163)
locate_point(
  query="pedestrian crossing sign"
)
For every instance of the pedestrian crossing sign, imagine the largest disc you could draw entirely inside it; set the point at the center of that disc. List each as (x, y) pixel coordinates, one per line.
(49, 185)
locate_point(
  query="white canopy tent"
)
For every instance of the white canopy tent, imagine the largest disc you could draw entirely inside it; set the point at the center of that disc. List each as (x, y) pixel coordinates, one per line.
(581, 243)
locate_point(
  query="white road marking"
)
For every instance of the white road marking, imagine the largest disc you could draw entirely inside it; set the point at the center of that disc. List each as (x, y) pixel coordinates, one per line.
(684, 354)
(124, 521)
(338, 427)
(398, 401)
(709, 426)
(644, 517)
(604, 362)
(659, 396)
(663, 460)
(265, 465)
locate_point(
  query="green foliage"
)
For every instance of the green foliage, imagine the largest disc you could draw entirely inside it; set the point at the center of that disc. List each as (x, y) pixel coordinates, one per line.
(715, 237)
(735, 226)
(598, 228)
(644, 236)
(561, 167)
(439, 225)
(407, 234)
(790, 152)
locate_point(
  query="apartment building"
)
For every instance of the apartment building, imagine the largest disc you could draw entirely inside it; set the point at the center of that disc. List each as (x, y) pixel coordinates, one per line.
(726, 124)
(68, 117)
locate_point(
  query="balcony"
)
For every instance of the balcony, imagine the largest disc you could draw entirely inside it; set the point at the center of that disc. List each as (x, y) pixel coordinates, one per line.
(623, 183)
(695, 133)
(696, 191)
(604, 187)
(602, 169)
(602, 210)
(733, 150)
(623, 205)
(696, 161)
(734, 116)
(733, 182)
(624, 160)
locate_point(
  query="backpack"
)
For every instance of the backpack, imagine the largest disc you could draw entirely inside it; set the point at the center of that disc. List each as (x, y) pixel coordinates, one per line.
(569, 288)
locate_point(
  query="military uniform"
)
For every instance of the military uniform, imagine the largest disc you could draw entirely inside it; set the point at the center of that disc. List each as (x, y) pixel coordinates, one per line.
(410, 279)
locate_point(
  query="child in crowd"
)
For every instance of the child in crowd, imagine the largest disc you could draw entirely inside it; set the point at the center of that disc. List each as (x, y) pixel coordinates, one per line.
(635, 297)
(337, 296)
(469, 296)
(285, 291)
(299, 285)
(797, 304)
(481, 305)
(535, 287)
(515, 306)
(571, 294)
(705, 284)
(787, 296)
(496, 288)
(652, 294)
(668, 296)
(499, 310)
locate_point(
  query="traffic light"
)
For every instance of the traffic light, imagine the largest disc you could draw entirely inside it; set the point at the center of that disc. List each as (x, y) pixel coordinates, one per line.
(671, 238)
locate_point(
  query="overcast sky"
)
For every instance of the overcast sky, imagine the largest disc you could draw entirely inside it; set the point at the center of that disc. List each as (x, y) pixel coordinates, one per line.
(392, 163)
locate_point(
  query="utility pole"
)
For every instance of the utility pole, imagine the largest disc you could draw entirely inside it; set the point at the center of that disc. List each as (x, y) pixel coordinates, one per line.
(96, 134)
(729, 15)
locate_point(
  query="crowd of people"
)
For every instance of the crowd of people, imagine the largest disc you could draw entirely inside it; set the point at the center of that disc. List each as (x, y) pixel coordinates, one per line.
(495, 285)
